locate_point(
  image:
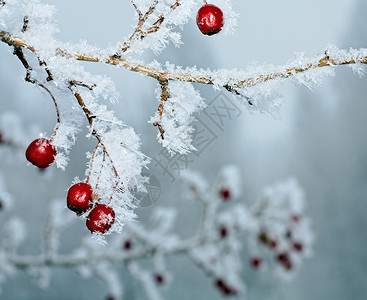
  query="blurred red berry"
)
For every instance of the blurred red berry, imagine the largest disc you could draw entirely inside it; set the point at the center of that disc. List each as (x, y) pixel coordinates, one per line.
(255, 262)
(159, 279)
(127, 245)
(223, 231)
(298, 246)
(273, 244)
(225, 194)
(295, 218)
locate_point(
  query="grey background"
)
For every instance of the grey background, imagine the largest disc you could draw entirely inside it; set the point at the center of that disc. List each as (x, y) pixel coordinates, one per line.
(320, 138)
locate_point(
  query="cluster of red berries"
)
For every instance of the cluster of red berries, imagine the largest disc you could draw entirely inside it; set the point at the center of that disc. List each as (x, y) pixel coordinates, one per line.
(80, 200)
(210, 19)
(283, 258)
(41, 153)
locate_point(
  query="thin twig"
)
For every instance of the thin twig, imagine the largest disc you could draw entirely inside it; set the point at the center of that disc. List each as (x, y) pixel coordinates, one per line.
(138, 33)
(91, 162)
(164, 98)
(19, 53)
(90, 117)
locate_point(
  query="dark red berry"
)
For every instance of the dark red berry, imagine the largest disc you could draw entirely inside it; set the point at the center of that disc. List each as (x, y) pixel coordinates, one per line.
(284, 260)
(273, 244)
(288, 265)
(223, 231)
(159, 279)
(225, 194)
(224, 287)
(79, 198)
(255, 262)
(282, 257)
(41, 153)
(210, 19)
(295, 218)
(298, 246)
(127, 245)
(100, 218)
(1, 138)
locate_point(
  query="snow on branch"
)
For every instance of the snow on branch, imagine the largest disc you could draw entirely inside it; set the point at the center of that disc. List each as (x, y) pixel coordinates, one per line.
(275, 229)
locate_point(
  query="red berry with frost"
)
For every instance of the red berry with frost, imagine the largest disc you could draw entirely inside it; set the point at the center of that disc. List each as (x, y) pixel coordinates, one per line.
(41, 153)
(79, 198)
(255, 262)
(210, 19)
(225, 194)
(100, 219)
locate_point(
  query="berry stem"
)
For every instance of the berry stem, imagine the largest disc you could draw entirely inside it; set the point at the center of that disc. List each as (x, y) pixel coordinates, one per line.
(91, 162)
(90, 117)
(100, 171)
(18, 52)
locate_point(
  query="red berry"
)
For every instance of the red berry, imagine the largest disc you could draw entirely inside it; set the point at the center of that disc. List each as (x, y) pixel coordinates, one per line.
(79, 198)
(159, 279)
(225, 194)
(127, 245)
(295, 218)
(282, 257)
(255, 262)
(100, 219)
(210, 19)
(288, 265)
(223, 232)
(41, 153)
(273, 244)
(224, 287)
(298, 246)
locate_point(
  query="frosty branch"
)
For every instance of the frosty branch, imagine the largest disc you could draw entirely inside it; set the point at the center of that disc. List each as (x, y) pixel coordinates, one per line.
(164, 75)
(277, 232)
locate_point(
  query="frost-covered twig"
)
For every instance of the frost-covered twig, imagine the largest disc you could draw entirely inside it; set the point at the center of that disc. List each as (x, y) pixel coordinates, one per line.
(200, 76)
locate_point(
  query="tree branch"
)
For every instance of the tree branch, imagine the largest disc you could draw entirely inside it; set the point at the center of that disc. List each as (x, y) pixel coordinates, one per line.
(162, 75)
